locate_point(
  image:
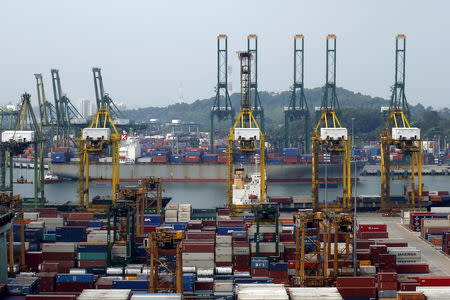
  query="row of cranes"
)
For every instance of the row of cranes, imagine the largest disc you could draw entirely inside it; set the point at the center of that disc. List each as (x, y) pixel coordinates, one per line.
(328, 135)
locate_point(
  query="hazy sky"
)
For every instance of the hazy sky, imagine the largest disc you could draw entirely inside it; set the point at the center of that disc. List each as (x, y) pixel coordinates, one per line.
(147, 48)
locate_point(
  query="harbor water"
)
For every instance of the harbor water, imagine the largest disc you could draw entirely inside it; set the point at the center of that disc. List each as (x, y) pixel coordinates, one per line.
(213, 194)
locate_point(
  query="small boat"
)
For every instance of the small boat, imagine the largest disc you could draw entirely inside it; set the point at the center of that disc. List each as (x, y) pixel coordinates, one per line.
(51, 178)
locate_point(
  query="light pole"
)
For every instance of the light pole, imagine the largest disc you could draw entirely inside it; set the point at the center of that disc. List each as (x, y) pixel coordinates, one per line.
(354, 205)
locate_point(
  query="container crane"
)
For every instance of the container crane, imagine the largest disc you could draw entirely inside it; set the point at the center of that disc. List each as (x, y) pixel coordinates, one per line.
(298, 107)
(258, 110)
(47, 111)
(67, 116)
(103, 100)
(328, 134)
(248, 136)
(26, 132)
(101, 134)
(222, 108)
(399, 134)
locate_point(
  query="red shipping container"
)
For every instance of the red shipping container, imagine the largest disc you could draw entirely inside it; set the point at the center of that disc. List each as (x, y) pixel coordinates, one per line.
(387, 285)
(190, 235)
(362, 281)
(369, 292)
(76, 287)
(366, 235)
(57, 256)
(362, 255)
(49, 267)
(88, 263)
(364, 244)
(64, 266)
(413, 268)
(80, 216)
(372, 227)
(159, 159)
(433, 280)
(83, 223)
(408, 286)
(33, 260)
(52, 297)
(148, 229)
(204, 285)
(198, 247)
(47, 282)
(260, 272)
(223, 264)
(393, 244)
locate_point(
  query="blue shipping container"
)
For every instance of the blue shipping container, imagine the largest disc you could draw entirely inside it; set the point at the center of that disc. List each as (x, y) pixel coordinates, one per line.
(92, 248)
(135, 285)
(22, 286)
(95, 223)
(74, 277)
(152, 219)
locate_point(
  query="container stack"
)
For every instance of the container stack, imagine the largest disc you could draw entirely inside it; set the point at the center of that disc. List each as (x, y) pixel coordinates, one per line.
(261, 291)
(372, 231)
(223, 251)
(209, 158)
(290, 155)
(184, 212)
(314, 293)
(358, 287)
(171, 213)
(387, 285)
(259, 267)
(94, 294)
(193, 156)
(92, 254)
(198, 251)
(58, 257)
(74, 282)
(241, 255)
(22, 286)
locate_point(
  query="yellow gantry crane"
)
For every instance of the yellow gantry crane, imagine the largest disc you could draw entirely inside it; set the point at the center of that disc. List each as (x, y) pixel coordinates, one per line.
(329, 135)
(101, 134)
(399, 134)
(248, 137)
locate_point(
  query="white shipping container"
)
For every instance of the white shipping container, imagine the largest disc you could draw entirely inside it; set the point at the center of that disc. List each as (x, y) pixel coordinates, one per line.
(205, 272)
(261, 291)
(171, 207)
(224, 270)
(432, 223)
(223, 239)
(157, 297)
(58, 247)
(35, 224)
(223, 286)
(172, 219)
(184, 215)
(224, 250)
(114, 271)
(314, 293)
(199, 264)
(438, 209)
(198, 256)
(334, 134)
(224, 258)
(184, 207)
(99, 294)
(33, 216)
(186, 220)
(241, 251)
(171, 213)
(264, 247)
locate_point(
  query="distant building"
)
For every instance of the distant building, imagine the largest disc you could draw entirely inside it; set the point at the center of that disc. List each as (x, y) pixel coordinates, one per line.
(85, 108)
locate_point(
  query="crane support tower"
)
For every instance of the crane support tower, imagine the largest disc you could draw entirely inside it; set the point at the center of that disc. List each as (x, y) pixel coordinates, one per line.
(298, 107)
(399, 134)
(165, 240)
(246, 137)
(26, 133)
(103, 100)
(67, 116)
(258, 110)
(47, 111)
(222, 108)
(101, 134)
(329, 136)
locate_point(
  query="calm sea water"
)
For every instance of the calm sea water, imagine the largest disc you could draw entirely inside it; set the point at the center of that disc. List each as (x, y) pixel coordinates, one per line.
(210, 195)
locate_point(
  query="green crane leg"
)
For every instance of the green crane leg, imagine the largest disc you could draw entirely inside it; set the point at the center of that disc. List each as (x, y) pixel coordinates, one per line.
(211, 136)
(286, 130)
(3, 256)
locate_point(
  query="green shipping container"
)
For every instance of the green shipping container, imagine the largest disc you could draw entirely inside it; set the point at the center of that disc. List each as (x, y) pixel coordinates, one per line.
(92, 256)
(49, 237)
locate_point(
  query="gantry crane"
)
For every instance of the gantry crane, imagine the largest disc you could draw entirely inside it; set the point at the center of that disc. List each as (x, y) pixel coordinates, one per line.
(26, 132)
(222, 108)
(311, 248)
(167, 240)
(67, 116)
(249, 137)
(121, 231)
(258, 110)
(103, 100)
(47, 111)
(99, 136)
(398, 132)
(328, 134)
(298, 107)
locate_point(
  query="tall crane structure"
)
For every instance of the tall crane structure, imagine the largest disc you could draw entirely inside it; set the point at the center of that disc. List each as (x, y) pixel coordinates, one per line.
(65, 112)
(328, 134)
(258, 110)
(26, 132)
(248, 136)
(298, 107)
(399, 134)
(47, 111)
(103, 100)
(99, 136)
(222, 108)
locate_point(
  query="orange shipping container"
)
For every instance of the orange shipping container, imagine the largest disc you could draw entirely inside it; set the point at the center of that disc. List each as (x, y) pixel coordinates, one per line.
(410, 296)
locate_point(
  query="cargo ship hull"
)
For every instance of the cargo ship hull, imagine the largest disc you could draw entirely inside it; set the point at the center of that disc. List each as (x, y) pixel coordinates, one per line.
(197, 172)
